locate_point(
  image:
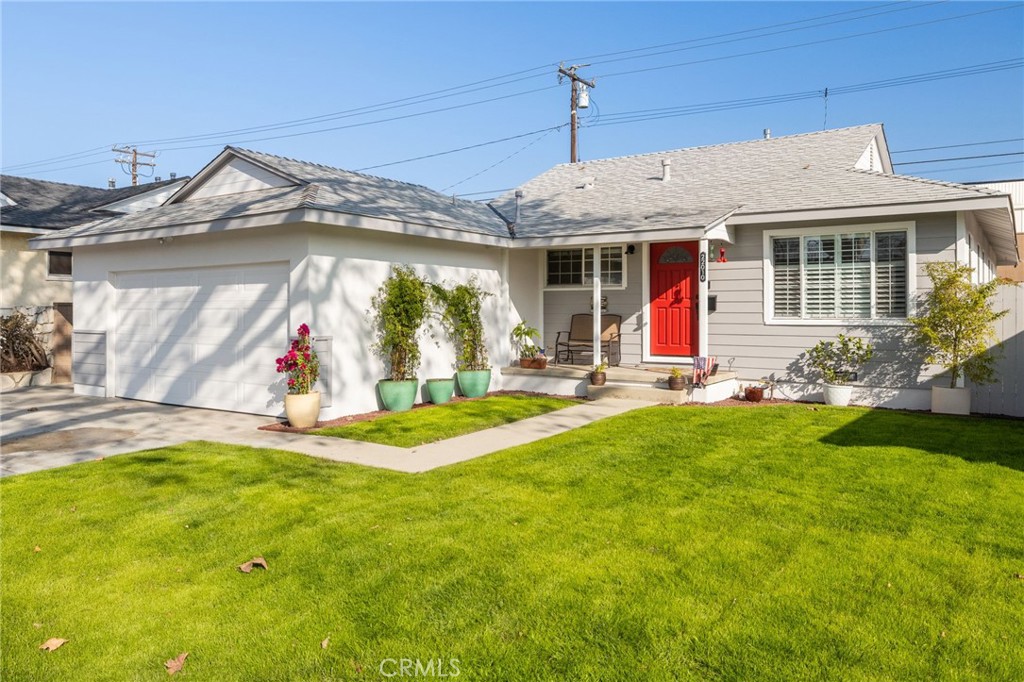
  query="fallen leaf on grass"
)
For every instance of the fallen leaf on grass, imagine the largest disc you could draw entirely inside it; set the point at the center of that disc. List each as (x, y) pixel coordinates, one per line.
(37, 549)
(175, 664)
(323, 644)
(37, 625)
(53, 644)
(813, 409)
(249, 565)
(1019, 576)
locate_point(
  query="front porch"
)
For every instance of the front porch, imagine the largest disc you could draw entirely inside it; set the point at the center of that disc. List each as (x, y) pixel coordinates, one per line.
(634, 382)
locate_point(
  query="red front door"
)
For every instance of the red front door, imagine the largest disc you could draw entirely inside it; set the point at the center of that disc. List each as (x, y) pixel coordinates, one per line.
(674, 298)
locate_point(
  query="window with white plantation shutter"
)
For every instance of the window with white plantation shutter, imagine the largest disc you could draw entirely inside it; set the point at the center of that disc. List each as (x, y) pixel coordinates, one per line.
(841, 276)
(786, 276)
(891, 274)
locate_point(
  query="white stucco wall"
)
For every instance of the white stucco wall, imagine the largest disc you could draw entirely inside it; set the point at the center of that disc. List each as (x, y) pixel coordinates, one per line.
(333, 274)
(346, 267)
(25, 279)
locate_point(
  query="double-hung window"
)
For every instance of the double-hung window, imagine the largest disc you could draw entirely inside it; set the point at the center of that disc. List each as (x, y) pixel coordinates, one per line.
(855, 273)
(575, 267)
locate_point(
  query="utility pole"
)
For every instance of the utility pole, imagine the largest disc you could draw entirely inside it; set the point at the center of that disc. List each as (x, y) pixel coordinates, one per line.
(133, 160)
(574, 99)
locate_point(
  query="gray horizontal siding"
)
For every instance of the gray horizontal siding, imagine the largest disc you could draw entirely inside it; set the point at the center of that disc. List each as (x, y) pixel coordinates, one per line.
(743, 343)
(89, 357)
(1006, 396)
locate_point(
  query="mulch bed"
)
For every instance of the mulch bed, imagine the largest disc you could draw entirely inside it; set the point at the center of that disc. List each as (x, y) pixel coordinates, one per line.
(370, 416)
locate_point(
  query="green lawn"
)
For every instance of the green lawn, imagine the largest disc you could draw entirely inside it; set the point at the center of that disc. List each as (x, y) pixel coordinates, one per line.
(778, 543)
(426, 425)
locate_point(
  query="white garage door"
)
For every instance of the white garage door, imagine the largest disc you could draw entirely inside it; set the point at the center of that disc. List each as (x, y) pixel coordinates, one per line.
(204, 337)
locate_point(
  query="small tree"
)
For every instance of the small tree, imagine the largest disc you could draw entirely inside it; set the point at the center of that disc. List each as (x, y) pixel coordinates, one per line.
(956, 329)
(460, 314)
(400, 307)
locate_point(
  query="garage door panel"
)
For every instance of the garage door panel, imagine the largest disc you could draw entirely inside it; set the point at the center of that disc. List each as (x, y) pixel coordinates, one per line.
(205, 338)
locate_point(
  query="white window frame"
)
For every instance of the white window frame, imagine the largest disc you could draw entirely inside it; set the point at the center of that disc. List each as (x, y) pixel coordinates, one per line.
(834, 230)
(60, 278)
(584, 287)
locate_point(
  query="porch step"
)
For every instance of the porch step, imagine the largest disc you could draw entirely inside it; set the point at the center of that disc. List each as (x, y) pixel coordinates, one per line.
(641, 392)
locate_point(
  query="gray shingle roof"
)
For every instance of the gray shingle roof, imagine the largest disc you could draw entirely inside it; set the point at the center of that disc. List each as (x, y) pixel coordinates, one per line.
(797, 172)
(319, 187)
(350, 192)
(56, 205)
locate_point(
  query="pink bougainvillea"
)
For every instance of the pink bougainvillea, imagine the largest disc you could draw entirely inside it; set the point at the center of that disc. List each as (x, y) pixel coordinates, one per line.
(300, 363)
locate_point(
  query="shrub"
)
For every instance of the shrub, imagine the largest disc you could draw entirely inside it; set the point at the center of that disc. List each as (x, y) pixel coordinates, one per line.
(460, 314)
(400, 308)
(838, 360)
(20, 348)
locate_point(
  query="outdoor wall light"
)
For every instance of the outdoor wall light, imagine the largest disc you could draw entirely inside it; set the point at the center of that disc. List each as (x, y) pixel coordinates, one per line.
(630, 249)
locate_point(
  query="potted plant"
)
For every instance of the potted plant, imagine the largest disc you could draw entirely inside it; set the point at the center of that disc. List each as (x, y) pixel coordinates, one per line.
(956, 331)
(460, 315)
(441, 390)
(300, 363)
(531, 356)
(598, 377)
(676, 380)
(838, 362)
(400, 308)
(753, 394)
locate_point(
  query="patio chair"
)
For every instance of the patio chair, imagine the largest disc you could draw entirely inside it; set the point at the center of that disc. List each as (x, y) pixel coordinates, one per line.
(579, 340)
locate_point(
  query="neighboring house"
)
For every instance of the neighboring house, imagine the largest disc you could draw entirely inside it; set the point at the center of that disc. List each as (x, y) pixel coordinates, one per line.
(38, 283)
(191, 302)
(1015, 188)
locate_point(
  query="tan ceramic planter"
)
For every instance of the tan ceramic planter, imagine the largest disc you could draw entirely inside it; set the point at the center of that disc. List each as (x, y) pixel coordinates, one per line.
(302, 409)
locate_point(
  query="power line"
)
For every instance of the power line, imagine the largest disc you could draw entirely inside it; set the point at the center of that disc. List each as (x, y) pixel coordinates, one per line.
(959, 158)
(453, 91)
(460, 149)
(807, 44)
(960, 168)
(498, 163)
(953, 146)
(641, 115)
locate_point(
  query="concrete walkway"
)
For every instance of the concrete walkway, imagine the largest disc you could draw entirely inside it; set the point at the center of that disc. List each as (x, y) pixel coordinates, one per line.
(48, 426)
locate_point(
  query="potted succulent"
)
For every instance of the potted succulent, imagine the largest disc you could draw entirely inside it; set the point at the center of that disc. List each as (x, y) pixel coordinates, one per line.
(300, 363)
(460, 315)
(441, 390)
(838, 362)
(400, 308)
(676, 380)
(531, 356)
(956, 331)
(598, 376)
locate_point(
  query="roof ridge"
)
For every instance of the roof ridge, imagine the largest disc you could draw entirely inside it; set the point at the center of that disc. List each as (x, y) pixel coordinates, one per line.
(930, 181)
(352, 172)
(720, 144)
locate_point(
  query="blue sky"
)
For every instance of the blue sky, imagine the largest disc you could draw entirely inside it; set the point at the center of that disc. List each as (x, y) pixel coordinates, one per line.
(80, 77)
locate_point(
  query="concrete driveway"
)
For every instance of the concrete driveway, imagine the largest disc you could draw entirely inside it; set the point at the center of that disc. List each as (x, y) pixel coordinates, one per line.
(44, 427)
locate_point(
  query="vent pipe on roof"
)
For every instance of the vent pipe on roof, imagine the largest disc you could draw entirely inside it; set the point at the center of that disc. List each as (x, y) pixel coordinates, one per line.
(173, 176)
(767, 133)
(157, 179)
(519, 200)
(111, 183)
(666, 170)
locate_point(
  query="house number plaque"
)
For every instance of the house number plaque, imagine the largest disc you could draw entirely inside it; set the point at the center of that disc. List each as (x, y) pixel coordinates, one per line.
(703, 266)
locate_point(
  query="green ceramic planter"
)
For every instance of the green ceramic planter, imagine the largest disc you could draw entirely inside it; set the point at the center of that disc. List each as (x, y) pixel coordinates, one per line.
(398, 396)
(474, 383)
(440, 390)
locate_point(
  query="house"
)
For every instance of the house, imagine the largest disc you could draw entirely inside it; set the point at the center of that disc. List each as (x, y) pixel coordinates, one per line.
(38, 283)
(750, 252)
(1015, 188)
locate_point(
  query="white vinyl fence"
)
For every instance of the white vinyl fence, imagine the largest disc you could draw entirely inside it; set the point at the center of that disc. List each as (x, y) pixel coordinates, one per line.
(1007, 396)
